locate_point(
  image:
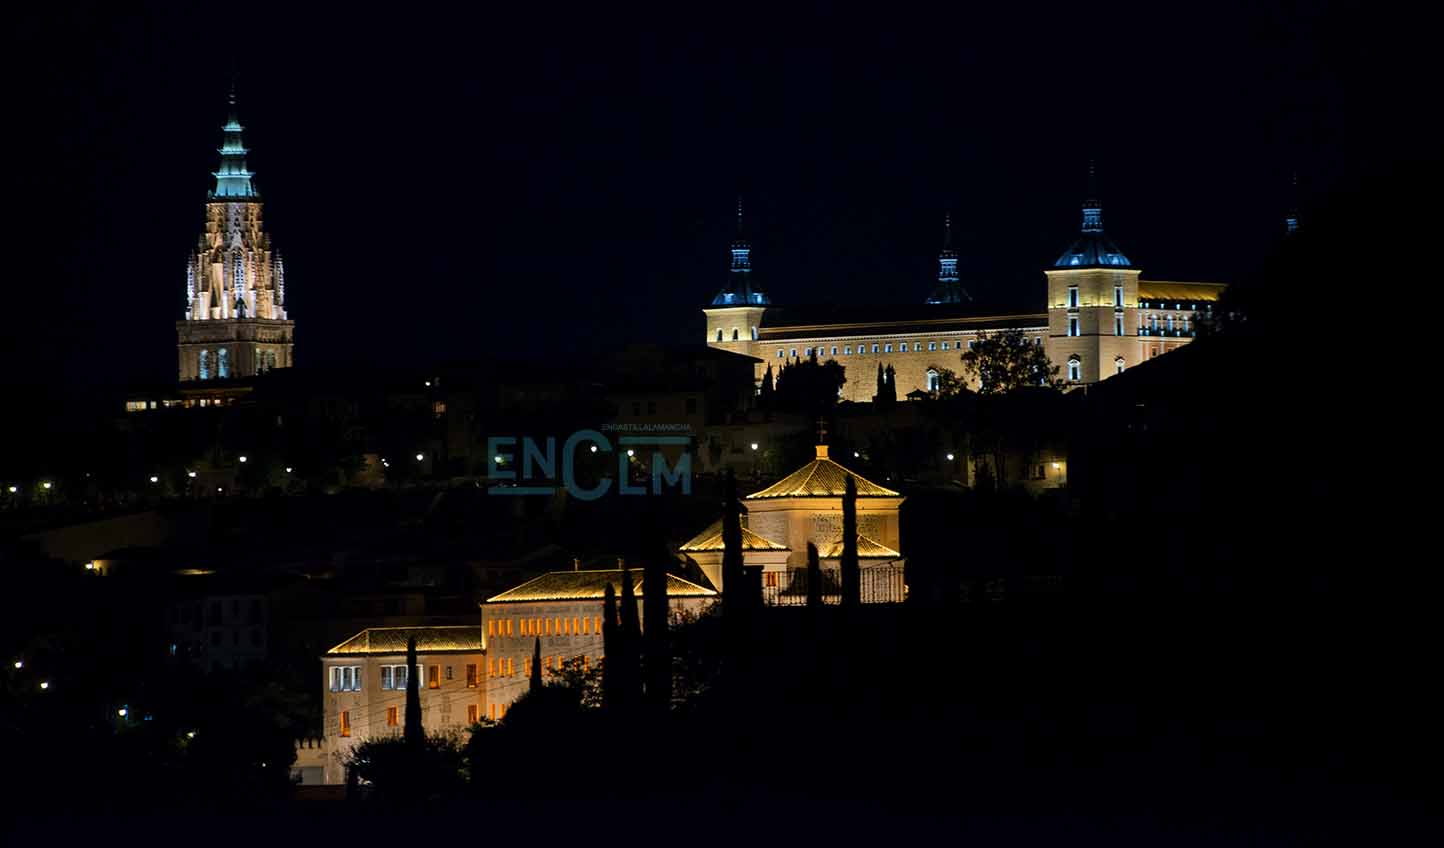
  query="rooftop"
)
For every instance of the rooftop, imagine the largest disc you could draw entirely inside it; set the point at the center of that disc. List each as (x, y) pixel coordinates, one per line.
(711, 540)
(866, 549)
(1160, 290)
(822, 478)
(591, 585)
(392, 640)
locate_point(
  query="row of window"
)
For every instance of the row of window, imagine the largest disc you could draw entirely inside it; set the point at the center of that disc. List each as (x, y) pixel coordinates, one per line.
(561, 626)
(886, 347)
(736, 334)
(1075, 368)
(1073, 297)
(393, 717)
(347, 678)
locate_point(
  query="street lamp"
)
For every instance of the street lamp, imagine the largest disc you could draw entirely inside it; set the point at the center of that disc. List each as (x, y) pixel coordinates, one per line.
(45, 684)
(243, 458)
(14, 489)
(950, 457)
(45, 485)
(19, 664)
(288, 469)
(191, 474)
(154, 479)
(419, 457)
(90, 566)
(594, 450)
(122, 712)
(754, 446)
(631, 453)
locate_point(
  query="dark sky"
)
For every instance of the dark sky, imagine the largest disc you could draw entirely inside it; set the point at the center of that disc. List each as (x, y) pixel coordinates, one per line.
(488, 181)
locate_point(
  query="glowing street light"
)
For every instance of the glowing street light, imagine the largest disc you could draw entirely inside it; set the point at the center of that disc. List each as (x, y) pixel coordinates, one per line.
(950, 457)
(14, 489)
(46, 484)
(288, 469)
(90, 566)
(122, 712)
(631, 453)
(1056, 465)
(19, 664)
(594, 450)
(243, 457)
(191, 734)
(500, 459)
(154, 479)
(419, 457)
(754, 446)
(220, 489)
(45, 684)
(191, 474)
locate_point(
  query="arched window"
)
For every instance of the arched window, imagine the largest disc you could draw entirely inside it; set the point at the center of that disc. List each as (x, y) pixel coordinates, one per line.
(754, 334)
(719, 334)
(1075, 369)
(934, 383)
(734, 334)
(205, 365)
(223, 363)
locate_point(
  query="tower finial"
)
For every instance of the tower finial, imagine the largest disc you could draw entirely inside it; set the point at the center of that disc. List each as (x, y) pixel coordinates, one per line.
(947, 231)
(1291, 220)
(739, 216)
(1092, 209)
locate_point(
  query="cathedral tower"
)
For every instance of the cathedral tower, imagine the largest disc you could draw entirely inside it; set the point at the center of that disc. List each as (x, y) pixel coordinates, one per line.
(235, 319)
(1092, 303)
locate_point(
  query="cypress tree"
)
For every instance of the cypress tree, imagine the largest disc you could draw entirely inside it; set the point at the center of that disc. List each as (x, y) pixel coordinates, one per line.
(814, 578)
(536, 675)
(412, 732)
(732, 575)
(657, 654)
(631, 641)
(891, 385)
(851, 576)
(880, 394)
(611, 651)
(765, 393)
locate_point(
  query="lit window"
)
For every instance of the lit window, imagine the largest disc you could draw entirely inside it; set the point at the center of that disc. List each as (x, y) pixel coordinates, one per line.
(1072, 297)
(491, 628)
(779, 353)
(932, 346)
(754, 334)
(794, 353)
(847, 350)
(834, 350)
(719, 335)
(1118, 365)
(576, 625)
(934, 382)
(492, 710)
(1073, 325)
(972, 343)
(223, 363)
(1118, 296)
(392, 714)
(345, 723)
(471, 675)
(887, 348)
(1075, 370)
(597, 624)
(386, 677)
(471, 713)
(205, 365)
(508, 627)
(734, 334)
(433, 677)
(945, 346)
(874, 348)
(1117, 325)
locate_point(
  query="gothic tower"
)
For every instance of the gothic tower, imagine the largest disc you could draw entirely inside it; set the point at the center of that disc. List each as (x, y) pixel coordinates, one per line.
(949, 289)
(735, 315)
(1092, 303)
(235, 319)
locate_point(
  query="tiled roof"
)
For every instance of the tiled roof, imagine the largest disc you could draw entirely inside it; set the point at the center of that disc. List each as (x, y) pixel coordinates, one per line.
(392, 640)
(866, 549)
(821, 478)
(711, 540)
(588, 585)
(1159, 290)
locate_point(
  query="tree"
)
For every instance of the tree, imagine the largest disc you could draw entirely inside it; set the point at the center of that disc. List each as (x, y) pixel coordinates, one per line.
(629, 663)
(809, 386)
(814, 577)
(415, 736)
(732, 575)
(657, 655)
(765, 394)
(403, 771)
(886, 386)
(950, 385)
(1005, 361)
(536, 675)
(610, 647)
(851, 575)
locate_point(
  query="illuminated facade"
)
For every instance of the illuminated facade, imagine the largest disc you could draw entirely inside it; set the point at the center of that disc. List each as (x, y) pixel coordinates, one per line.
(364, 686)
(1099, 318)
(806, 507)
(235, 317)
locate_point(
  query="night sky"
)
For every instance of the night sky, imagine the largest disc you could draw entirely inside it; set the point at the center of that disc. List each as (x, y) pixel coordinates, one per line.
(492, 182)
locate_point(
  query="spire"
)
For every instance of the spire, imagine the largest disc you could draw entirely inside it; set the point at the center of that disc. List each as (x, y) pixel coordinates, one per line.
(948, 290)
(742, 288)
(233, 180)
(1092, 249)
(1291, 220)
(1092, 209)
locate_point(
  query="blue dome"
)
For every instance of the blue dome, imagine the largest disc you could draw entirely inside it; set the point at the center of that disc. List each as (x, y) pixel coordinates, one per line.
(1093, 250)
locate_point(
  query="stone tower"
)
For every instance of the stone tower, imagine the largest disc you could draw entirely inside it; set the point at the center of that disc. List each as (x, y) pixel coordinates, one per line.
(1092, 303)
(235, 318)
(735, 316)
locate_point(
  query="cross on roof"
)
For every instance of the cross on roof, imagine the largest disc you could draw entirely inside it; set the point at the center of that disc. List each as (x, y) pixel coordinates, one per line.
(822, 431)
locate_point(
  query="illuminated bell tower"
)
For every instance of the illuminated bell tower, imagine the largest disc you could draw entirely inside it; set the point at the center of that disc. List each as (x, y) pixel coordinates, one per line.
(235, 319)
(1092, 303)
(735, 316)
(949, 289)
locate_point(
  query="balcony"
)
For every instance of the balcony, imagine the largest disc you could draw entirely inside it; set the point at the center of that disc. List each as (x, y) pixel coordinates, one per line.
(1166, 333)
(881, 584)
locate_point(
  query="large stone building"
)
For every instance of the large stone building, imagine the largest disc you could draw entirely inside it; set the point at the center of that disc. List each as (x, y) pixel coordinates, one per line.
(235, 318)
(1098, 318)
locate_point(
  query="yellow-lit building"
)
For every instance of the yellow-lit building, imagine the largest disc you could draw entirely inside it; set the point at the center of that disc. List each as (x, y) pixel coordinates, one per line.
(364, 683)
(1098, 318)
(806, 507)
(562, 609)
